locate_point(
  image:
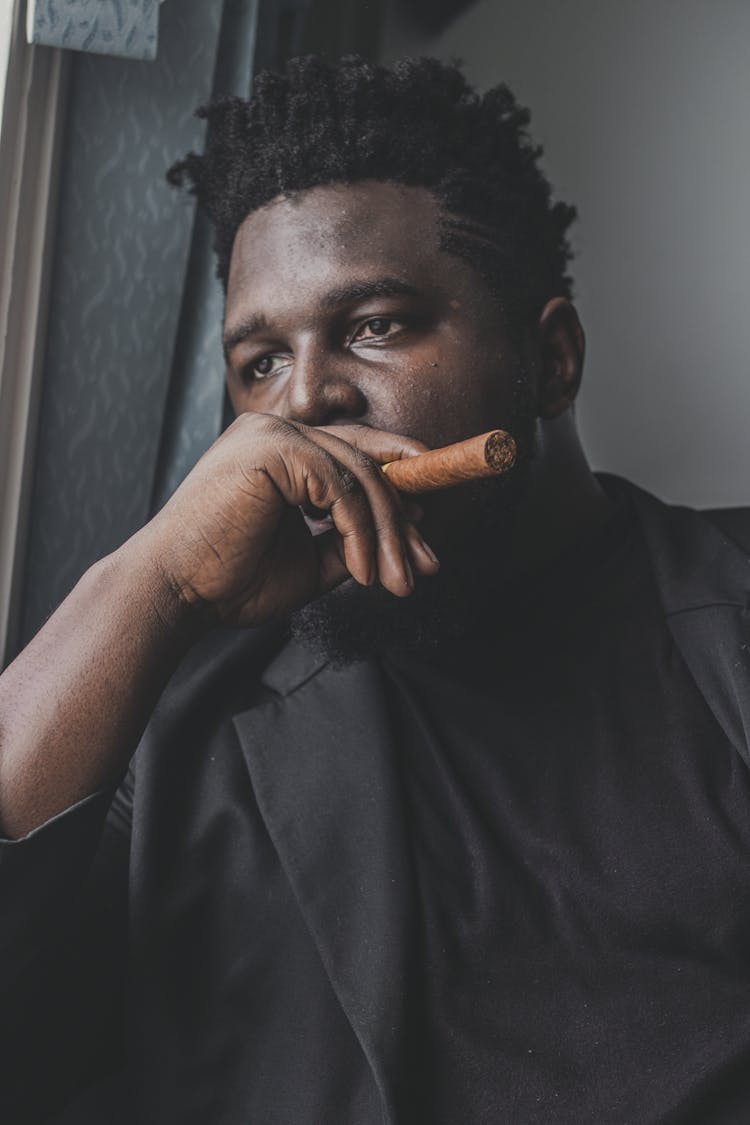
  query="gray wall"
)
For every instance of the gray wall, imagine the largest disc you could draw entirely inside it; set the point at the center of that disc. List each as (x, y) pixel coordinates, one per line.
(644, 112)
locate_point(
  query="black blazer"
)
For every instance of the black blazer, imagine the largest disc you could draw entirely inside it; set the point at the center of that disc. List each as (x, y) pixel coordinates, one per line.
(229, 941)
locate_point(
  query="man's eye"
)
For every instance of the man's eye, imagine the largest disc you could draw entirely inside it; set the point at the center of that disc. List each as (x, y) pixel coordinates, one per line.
(377, 327)
(268, 365)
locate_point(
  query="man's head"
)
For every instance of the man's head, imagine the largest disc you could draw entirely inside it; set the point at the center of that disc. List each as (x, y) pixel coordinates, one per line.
(418, 124)
(391, 257)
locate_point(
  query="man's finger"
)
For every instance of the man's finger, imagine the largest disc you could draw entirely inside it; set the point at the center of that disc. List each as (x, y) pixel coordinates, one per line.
(381, 445)
(394, 561)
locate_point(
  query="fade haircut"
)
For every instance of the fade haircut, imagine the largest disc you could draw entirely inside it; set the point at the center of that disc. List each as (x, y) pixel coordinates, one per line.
(417, 123)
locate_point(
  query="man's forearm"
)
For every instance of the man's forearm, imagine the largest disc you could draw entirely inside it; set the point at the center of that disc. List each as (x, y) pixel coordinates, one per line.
(230, 546)
(75, 702)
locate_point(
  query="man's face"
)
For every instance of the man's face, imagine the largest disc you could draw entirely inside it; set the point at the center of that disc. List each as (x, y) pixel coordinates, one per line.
(342, 307)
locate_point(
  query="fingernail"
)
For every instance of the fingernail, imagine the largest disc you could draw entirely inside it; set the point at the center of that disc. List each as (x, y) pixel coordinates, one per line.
(429, 551)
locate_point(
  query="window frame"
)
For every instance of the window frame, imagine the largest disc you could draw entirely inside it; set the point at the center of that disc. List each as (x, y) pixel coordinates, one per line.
(33, 83)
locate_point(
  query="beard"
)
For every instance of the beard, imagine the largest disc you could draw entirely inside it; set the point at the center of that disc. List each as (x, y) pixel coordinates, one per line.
(352, 622)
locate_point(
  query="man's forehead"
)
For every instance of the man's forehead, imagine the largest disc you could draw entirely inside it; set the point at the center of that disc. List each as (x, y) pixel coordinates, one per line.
(380, 227)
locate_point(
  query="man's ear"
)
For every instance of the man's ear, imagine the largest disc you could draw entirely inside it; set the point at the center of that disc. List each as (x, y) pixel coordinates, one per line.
(562, 345)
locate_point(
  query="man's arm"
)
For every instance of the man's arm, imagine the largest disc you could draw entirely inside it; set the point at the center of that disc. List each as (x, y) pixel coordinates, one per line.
(74, 704)
(230, 547)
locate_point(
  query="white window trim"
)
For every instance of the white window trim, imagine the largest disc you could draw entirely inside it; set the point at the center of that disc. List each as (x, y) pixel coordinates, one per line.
(32, 97)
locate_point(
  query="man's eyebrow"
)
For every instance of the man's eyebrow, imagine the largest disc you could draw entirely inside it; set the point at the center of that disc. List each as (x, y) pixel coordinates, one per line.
(247, 327)
(333, 299)
(362, 290)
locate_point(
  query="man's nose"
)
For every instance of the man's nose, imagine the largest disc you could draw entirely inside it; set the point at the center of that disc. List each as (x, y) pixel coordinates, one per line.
(323, 389)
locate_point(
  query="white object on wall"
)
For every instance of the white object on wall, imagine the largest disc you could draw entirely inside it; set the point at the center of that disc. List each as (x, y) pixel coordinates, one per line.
(104, 27)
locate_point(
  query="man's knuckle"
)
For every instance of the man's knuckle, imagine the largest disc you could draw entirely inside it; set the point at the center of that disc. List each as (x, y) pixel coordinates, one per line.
(385, 527)
(349, 484)
(365, 463)
(276, 427)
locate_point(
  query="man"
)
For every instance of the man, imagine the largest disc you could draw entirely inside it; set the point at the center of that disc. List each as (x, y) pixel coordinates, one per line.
(405, 840)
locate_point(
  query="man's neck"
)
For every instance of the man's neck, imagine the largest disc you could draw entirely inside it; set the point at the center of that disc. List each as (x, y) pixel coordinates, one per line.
(564, 501)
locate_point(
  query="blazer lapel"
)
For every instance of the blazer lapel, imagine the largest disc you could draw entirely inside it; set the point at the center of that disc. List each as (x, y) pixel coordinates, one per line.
(321, 761)
(703, 578)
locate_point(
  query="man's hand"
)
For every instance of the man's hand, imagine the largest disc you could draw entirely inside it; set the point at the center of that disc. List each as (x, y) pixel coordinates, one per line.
(231, 547)
(233, 544)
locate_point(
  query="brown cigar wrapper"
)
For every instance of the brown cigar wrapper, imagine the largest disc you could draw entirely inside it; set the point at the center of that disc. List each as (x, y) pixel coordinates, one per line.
(487, 455)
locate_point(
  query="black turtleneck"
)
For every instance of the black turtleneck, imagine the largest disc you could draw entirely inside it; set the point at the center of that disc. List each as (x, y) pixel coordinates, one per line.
(580, 831)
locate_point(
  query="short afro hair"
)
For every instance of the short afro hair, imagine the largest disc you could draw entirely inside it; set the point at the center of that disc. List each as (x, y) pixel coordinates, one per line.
(418, 123)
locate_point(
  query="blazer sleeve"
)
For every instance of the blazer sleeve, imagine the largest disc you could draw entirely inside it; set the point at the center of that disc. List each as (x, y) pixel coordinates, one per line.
(63, 939)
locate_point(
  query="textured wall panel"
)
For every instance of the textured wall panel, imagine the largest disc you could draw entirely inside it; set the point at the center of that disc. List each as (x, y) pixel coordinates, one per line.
(123, 244)
(196, 397)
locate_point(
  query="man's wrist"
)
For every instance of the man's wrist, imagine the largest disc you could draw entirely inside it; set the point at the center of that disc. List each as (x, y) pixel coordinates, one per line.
(139, 575)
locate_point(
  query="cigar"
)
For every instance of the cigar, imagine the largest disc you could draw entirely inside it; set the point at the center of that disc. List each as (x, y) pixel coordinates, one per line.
(487, 455)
